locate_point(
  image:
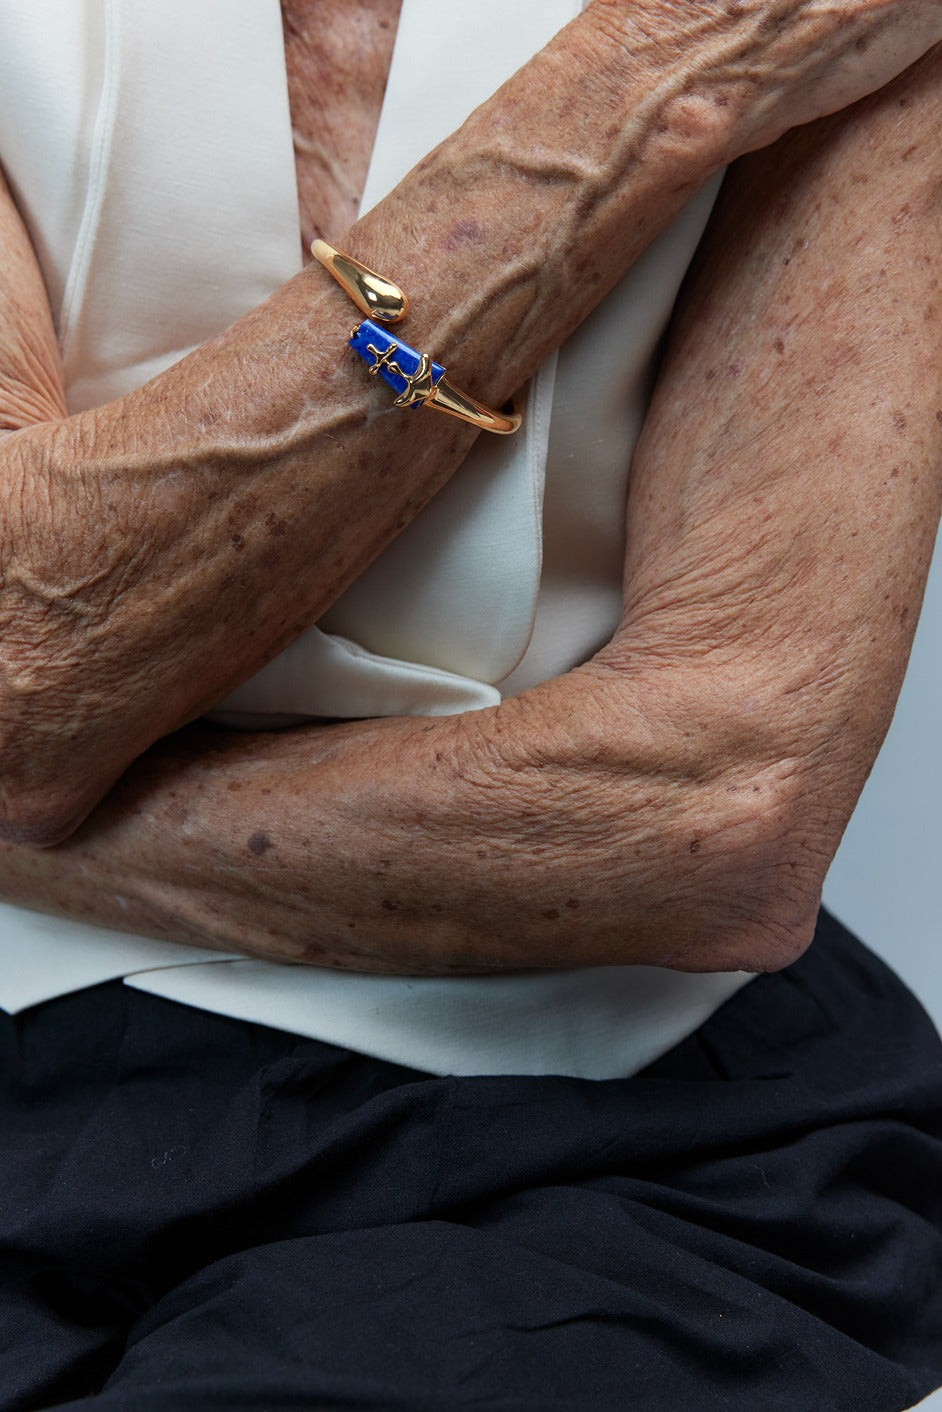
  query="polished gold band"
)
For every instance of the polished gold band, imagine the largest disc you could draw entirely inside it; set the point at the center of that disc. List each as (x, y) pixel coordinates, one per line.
(383, 302)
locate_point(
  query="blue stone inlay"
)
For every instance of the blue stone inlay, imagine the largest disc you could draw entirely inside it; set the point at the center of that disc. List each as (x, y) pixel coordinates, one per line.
(400, 353)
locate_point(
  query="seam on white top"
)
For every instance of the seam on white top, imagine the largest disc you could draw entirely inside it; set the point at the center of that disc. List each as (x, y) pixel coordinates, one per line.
(99, 165)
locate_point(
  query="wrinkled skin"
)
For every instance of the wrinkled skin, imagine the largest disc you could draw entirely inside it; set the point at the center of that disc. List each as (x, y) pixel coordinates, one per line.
(689, 729)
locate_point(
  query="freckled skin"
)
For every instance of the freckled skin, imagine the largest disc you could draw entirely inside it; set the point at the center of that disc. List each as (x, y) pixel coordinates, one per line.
(337, 58)
(750, 654)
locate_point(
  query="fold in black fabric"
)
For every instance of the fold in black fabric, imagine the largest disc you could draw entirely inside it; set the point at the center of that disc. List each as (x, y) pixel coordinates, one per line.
(200, 1213)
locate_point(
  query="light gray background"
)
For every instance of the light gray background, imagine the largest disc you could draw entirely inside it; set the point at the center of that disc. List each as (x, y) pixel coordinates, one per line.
(885, 880)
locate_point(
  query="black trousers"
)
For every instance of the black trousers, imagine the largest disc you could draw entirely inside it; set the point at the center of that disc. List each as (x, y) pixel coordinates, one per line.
(200, 1213)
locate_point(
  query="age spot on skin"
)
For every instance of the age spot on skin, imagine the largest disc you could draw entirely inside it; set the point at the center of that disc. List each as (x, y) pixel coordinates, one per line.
(696, 846)
(899, 422)
(552, 915)
(237, 542)
(467, 232)
(259, 843)
(779, 345)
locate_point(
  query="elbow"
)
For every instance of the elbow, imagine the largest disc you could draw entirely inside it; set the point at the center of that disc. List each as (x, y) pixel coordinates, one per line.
(51, 771)
(750, 892)
(47, 788)
(41, 818)
(766, 937)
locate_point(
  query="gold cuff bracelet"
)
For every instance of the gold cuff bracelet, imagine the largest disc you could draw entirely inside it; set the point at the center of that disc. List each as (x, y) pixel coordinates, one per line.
(416, 378)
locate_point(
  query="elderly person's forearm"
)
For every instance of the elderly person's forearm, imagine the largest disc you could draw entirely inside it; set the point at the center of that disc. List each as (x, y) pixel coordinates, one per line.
(159, 550)
(677, 800)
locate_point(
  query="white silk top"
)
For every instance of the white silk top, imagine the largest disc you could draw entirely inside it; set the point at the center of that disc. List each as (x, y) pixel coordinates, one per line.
(149, 149)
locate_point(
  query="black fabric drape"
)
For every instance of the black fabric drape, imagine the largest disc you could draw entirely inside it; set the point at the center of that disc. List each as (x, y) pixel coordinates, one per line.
(200, 1213)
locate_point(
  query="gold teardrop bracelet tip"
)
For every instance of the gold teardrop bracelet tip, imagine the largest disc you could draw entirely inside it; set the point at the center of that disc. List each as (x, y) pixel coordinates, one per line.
(416, 378)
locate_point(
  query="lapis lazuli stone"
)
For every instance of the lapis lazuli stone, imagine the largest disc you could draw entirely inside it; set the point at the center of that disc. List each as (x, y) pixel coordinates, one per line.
(376, 345)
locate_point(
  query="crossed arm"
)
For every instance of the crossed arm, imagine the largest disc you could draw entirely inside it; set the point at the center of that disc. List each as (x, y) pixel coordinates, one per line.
(676, 800)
